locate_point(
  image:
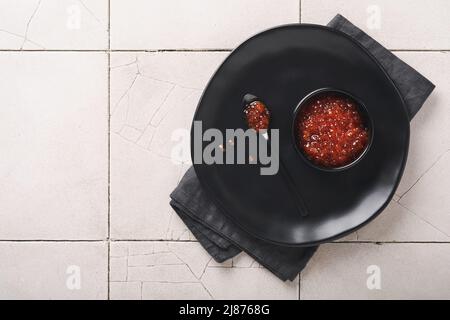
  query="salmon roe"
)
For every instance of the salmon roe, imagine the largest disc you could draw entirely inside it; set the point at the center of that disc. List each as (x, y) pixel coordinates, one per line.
(331, 131)
(257, 115)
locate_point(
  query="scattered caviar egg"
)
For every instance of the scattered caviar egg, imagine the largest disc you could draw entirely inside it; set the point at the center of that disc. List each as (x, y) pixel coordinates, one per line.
(331, 131)
(257, 115)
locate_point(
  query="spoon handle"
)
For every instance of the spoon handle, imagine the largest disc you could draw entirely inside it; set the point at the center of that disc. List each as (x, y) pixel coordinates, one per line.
(299, 201)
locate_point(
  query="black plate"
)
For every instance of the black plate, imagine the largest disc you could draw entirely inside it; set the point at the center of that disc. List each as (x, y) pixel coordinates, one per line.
(282, 66)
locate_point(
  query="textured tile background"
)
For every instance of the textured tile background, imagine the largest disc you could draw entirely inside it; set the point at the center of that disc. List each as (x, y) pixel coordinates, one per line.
(97, 98)
(194, 24)
(54, 145)
(54, 24)
(42, 270)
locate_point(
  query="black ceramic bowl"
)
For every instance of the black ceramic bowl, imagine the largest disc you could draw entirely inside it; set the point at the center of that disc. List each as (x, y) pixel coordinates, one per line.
(364, 113)
(282, 66)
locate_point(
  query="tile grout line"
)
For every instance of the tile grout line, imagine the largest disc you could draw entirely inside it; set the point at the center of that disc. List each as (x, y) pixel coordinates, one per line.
(334, 242)
(299, 285)
(109, 150)
(123, 50)
(109, 241)
(300, 11)
(53, 240)
(183, 50)
(195, 241)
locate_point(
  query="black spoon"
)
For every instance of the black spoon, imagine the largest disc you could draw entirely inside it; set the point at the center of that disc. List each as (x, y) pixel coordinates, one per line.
(247, 100)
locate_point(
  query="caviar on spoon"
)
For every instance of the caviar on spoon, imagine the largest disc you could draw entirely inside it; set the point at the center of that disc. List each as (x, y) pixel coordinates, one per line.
(257, 116)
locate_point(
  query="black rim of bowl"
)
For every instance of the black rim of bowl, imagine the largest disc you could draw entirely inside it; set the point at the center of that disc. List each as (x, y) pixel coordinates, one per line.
(361, 108)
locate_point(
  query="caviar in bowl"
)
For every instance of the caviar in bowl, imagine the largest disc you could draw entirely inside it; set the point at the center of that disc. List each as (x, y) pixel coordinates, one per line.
(332, 129)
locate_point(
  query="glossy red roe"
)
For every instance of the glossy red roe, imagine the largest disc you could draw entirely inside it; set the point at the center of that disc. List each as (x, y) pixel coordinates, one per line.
(257, 115)
(331, 131)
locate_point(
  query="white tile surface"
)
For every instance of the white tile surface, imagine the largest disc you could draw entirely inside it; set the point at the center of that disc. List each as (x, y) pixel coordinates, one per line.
(398, 223)
(399, 24)
(54, 146)
(430, 128)
(46, 270)
(153, 96)
(53, 135)
(430, 197)
(405, 271)
(126, 290)
(175, 24)
(53, 24)
(183, 270)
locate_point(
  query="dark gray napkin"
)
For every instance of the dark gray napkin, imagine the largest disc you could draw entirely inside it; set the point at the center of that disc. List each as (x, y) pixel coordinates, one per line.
(413, 87)
(223, 239)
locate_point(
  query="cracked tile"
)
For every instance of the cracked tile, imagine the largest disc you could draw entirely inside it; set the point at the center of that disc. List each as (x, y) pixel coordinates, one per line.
(174, 291)
(226, 264)
(243, 260)
(429, 199)
(154, 96)
(194, 256)
(54, 24)
(379, 18)
(404, 271)
(119, 268)
(125, 290)
(143, 248)
(184, 270)
(248, 283)
(150, 260)
(143, 211)
(49, 270)
(223, 24)
(397, 223)
(430, 128)
(54, 138)
(164, 273)
(142, 101)
(140, 186)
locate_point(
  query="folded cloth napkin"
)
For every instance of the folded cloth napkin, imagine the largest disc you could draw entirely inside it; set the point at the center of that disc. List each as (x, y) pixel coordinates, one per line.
(413, 87)
(223, 239)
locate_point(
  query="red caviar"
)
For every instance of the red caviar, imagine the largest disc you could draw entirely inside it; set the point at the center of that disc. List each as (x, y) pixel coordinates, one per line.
(331, 131)
(257, 115)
